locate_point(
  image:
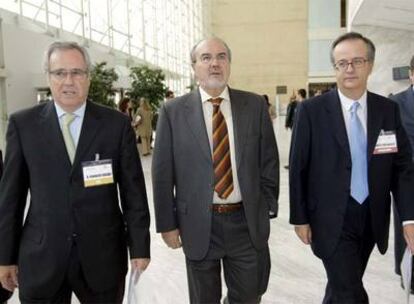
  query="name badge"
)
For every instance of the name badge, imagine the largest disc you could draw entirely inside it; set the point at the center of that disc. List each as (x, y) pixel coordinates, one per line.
(386, 143)
(97, 173)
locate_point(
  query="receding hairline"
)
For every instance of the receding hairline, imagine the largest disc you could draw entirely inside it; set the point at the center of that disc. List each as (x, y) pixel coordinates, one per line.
(195, 47)
(62, 46)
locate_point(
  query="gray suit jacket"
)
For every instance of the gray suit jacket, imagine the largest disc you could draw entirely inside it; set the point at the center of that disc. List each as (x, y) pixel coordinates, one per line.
(182, 169)
(405, 100)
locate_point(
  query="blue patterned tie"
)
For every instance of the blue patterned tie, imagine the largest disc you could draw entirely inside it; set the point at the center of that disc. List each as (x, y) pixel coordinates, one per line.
(358, 145)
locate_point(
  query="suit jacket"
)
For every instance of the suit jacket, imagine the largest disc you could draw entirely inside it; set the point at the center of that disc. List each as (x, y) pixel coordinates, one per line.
(320, 170)
(183, 175)
(405, 100)
(62, 210)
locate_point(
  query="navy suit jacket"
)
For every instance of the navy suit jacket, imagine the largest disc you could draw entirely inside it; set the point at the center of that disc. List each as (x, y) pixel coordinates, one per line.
(320, 170)
(405, 100)
(62, 210)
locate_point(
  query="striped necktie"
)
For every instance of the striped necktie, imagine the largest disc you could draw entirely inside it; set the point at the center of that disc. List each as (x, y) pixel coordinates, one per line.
(223, 176)
(68, 118)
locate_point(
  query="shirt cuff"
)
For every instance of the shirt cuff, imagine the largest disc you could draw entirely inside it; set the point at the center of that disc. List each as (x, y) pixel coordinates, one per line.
(407, 222)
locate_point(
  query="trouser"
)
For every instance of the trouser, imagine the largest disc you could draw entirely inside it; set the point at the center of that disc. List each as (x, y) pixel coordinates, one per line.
(346, 267)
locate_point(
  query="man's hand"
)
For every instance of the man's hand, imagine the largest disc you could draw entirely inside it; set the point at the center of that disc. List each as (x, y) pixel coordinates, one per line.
(140, 264)
(8, 277)
(408, 230)
(304, 232)
(172, 238)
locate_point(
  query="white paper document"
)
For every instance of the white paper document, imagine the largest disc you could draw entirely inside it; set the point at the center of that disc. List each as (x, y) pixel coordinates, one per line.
(132, 291)
(406, 271)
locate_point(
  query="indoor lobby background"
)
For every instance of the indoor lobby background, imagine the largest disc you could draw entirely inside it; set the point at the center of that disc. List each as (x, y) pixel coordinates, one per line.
(278, 47)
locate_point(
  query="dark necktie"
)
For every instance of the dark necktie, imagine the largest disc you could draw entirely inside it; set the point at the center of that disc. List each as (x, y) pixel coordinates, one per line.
(223, 176)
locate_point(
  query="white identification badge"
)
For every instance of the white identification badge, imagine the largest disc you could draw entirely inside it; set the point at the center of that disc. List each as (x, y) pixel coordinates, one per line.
(97, 173)
(386, 143)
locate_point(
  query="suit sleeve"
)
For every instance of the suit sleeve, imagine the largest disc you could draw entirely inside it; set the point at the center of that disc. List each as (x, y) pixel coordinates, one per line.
(403, 173)
(269, 162)
(14, 187)
(163, 175)
(133, 196)
(298, 167)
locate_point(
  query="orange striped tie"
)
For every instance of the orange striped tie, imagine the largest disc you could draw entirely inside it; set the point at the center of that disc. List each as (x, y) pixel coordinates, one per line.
(223, 176)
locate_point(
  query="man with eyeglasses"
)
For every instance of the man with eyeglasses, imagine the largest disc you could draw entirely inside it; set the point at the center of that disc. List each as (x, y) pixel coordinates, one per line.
(74, 156)
(349, 150)
(215, 178)
(405, 100)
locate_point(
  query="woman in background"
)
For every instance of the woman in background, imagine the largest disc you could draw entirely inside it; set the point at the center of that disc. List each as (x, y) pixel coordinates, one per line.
(144, 125)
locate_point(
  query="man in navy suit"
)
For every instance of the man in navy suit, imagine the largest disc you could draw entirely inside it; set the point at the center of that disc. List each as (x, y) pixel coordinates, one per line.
(75, 157)
(349, 149)
(405, 100)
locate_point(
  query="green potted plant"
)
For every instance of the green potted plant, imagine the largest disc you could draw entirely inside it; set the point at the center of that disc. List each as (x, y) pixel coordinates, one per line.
(102, 89)
(148, 82)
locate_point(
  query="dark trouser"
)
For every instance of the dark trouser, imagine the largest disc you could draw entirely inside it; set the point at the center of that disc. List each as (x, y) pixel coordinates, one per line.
(75, 282)
(246, 269)
(346, 267)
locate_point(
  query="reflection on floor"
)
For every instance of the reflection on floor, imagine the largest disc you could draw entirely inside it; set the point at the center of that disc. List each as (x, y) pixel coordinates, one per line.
(297, 276)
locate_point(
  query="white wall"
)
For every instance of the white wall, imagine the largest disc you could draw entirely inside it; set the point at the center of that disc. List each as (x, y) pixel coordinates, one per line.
(394, 49)
(24, 46)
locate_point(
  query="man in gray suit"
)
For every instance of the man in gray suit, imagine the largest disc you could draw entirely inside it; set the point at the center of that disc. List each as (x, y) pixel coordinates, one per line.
(216, 179)
(405, 100)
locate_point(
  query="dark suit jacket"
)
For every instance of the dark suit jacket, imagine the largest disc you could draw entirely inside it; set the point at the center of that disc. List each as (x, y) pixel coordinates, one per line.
(183, 176)
(405, 100)
(320, 170)
(61, 209)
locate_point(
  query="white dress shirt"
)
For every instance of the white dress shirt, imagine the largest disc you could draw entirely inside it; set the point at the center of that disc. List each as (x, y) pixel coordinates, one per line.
(346, 104)
(225, 107)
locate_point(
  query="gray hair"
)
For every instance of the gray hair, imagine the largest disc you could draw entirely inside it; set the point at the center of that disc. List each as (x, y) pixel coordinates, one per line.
(65, 45)
(193, 50)
(355, 36)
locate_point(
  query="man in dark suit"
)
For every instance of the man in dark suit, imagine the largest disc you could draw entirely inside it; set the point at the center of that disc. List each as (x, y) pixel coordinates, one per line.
(73, 156)
(349, 149)
(405, 100)
(215, 179)
(4, 294)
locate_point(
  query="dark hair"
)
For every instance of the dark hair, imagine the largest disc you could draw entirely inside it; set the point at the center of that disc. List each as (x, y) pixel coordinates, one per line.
(123, 104)
(302, 93)
(355, 36)
(169, 94)
(193, 50)
(412, 63)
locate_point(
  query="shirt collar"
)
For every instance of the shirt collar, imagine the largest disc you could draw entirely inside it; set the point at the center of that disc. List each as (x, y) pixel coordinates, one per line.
(347, 102)
(205, 96)
(80, 112)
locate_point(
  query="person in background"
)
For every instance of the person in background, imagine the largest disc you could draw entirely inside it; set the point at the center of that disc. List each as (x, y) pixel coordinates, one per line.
(349, 150)
(144, 125)
(291, 110)
(405, 100)
(125, 106)
(169, 95)
(215, 175)
(80, 162)
(272, 110)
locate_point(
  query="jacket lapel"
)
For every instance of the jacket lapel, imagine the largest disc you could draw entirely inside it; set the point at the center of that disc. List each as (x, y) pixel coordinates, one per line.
(195, 119)
(90, 127)
(336, 121)
(241, 122)
(374, 122)
(52, 133)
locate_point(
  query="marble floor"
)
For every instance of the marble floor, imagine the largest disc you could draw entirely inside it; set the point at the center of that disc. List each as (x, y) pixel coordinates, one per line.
(297, 276)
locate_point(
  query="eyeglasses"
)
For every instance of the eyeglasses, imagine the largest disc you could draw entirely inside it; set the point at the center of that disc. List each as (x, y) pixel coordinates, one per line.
(356, 63)
(62, 74)
(208, 58)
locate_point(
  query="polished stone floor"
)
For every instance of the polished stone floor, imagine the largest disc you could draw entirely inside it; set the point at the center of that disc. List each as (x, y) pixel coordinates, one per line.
(297, 276)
